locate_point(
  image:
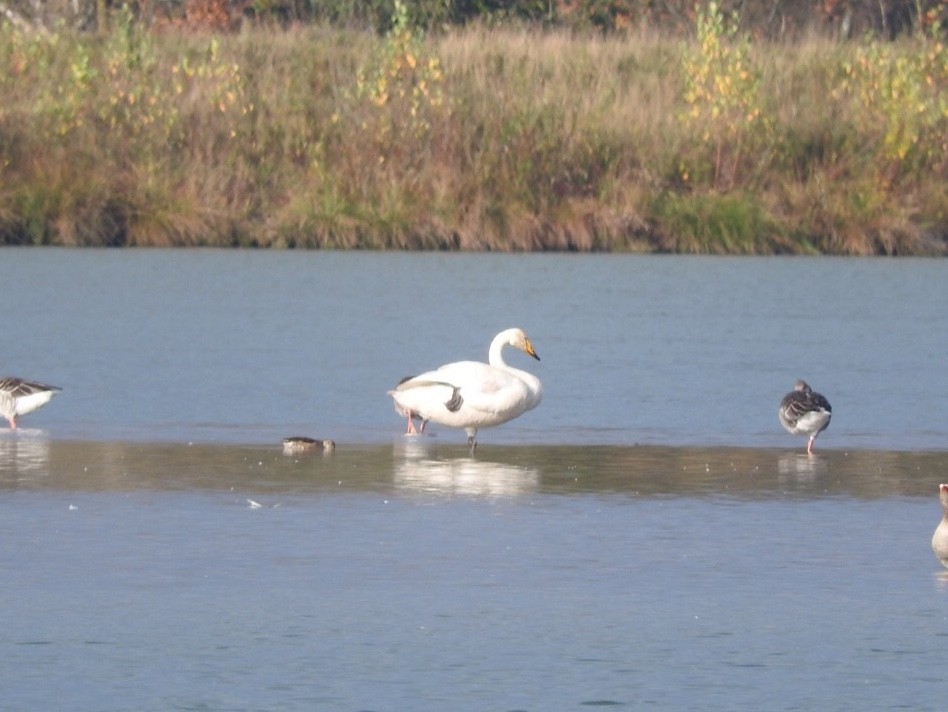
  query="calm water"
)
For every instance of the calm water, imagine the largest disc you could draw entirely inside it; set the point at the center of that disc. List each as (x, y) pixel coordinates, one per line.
(647, 538)
(245, 346)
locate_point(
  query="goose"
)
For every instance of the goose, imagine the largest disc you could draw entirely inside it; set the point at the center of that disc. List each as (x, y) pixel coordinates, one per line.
(19, 397)
(803, 411)
(940, 537)
(297, 443)
(471, 394)
(412, 417)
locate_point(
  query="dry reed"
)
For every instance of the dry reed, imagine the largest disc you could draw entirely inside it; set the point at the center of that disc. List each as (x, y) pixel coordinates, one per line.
(479, 139)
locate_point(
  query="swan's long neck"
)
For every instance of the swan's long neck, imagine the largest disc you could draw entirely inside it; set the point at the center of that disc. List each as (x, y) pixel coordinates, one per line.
(495, 355)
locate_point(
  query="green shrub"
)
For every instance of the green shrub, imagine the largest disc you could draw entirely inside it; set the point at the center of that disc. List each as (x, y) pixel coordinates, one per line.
(722, 96)
(900, 97)
(715, 224)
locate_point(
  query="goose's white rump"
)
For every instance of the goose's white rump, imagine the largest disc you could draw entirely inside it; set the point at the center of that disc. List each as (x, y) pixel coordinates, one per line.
(940, 537)
(471, 394)
(19, 397)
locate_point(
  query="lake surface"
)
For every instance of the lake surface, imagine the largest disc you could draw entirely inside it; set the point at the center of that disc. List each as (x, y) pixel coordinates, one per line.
(247, 346)
(648, 537)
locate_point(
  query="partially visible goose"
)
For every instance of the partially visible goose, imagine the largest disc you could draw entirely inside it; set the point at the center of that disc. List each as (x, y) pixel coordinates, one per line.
(940, 537)
(412, 417)
(803, 411)
(471, 394)
(19, 397)
(297, 444)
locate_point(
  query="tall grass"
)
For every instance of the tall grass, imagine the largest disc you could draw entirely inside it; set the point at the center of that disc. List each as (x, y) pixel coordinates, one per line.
(499, 139)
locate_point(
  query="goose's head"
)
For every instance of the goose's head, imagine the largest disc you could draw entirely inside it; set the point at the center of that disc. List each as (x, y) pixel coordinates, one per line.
(802, 386)
(943, 496)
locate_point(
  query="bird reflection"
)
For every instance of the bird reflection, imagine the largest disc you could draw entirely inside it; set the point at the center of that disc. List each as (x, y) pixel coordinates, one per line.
(800, 466)
(23, 454)
(419, 471)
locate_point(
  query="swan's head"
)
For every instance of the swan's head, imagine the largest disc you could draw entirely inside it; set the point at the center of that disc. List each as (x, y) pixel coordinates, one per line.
(943, 496)
(516, 338)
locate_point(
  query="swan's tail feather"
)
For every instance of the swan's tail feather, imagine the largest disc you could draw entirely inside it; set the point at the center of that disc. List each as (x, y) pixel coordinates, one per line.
(407, 383)
(454, 403)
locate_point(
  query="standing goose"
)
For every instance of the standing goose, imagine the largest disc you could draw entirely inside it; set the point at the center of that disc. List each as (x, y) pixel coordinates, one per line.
(19, 397)
(471, 394)
(805, 412)
(412, 417)
(940, 537)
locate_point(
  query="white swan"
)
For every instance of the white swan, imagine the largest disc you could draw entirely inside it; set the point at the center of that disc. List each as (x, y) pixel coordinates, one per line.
(940, 537)
(471, 394)
(803, 411)
(19, 397)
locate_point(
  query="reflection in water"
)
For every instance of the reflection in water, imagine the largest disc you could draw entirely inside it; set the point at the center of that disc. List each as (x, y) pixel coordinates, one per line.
(800, 467)
(24, 454)
(422, 464)
(420, 471)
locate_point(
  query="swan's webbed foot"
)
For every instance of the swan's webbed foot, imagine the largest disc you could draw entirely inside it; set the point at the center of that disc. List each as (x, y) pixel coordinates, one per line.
(472, 443)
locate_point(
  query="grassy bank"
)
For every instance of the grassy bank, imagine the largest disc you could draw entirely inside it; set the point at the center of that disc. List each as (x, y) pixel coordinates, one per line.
(479, 139)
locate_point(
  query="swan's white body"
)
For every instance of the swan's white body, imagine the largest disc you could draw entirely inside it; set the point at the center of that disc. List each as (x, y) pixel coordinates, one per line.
(470, 394)
(19, 397)
(940, 537)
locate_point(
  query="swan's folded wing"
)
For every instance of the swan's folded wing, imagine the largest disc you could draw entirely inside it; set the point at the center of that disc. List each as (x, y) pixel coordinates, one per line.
(486, 389)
